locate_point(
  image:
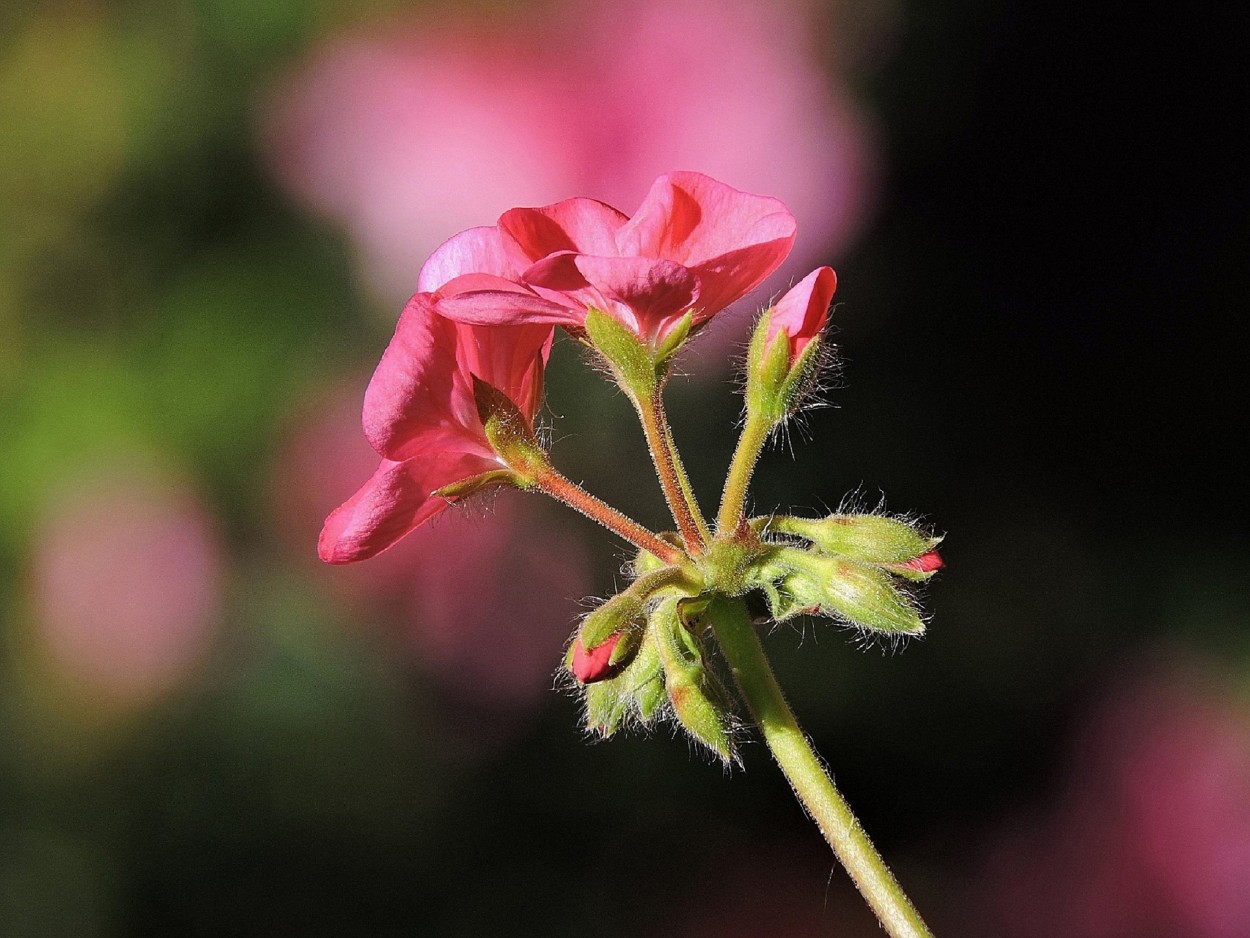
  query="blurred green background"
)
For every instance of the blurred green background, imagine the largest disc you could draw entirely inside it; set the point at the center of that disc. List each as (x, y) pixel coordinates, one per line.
(210, 214)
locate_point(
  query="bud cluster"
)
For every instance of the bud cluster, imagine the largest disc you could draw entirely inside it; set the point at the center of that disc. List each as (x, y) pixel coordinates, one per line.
(642, 655)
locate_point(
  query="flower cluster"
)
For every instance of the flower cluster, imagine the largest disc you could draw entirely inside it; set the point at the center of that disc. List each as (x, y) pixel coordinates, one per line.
(451, 410)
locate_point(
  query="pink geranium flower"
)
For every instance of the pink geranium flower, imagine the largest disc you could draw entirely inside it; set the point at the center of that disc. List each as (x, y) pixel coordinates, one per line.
(420, 413)
(802, 313)
(694, 244)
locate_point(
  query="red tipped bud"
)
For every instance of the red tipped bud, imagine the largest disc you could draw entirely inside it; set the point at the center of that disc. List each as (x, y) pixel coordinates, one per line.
(929, 562)
(594, 665)
(782, 360)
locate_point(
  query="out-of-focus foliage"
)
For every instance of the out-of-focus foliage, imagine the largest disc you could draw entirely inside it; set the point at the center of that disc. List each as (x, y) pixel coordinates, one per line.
(207, 732)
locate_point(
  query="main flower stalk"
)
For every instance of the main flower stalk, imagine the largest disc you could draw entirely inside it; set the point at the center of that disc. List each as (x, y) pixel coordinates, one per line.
(806, 772)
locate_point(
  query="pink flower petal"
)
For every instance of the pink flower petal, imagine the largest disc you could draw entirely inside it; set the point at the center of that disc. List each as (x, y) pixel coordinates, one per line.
(421, 396)
(510, 358)
(503, 305)
(585, 226)
(646, 294)
(731, 239)
(726, 279)
(415, 385)
(804, 310)
(691, 218)
(475, 251)
(394, 502)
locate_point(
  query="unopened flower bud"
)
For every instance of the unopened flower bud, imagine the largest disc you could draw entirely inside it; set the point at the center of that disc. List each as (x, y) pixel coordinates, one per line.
(782, 358)
(855, 592)
(594, 665)
(874, 539)
(634, 685)
(801, 314)
(918, 568)
(696, 698)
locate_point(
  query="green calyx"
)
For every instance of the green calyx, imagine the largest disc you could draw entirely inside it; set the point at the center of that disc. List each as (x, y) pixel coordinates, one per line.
(640, 368)
(776, 386)
(696, 695)
(510, 434)
(626, 611)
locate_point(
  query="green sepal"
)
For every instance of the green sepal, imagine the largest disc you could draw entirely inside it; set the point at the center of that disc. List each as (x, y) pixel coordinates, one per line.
(802, 377)
(785, 604)
(907, 573)
(875, 539)
(621, 613)
(606, 707)
(509, 432)
(466, 487)
(644, 678)
(676, 338)
(631, 361)
(650, 696)
(776, 386)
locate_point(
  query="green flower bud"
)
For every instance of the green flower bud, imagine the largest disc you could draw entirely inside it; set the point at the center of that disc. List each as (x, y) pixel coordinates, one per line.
(847, 589)
(622, 613)
(634, 692)
(696, 697)
(874, 539)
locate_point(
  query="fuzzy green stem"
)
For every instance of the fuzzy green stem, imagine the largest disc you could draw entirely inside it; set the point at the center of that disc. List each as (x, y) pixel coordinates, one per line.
(807, 774)
(733, 500)
(668, 468)
(570, 493)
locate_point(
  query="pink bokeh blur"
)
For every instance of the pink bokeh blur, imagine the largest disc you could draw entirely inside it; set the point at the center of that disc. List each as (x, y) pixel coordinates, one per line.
(1151, 835)
(125, 586)
(409, 134)
(485, 595)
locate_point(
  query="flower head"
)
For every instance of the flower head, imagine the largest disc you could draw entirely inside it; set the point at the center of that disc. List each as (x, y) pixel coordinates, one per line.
(694, 245)
(420, 412)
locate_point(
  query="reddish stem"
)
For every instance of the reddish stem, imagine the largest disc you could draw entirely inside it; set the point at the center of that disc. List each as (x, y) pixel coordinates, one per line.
(570, 493)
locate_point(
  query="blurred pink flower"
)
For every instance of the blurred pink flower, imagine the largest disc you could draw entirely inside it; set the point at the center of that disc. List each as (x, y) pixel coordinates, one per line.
(432, 128)
(125, 586)
(419, 411)
(1152, 836)
(694, 243)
